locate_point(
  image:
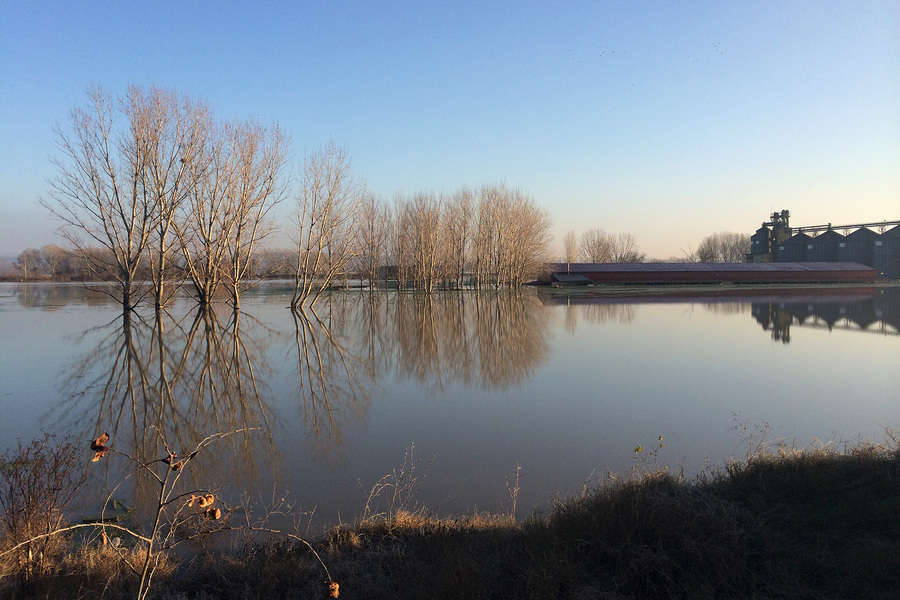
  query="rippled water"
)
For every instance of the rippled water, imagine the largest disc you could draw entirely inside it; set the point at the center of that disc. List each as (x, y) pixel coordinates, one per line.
(470, 384)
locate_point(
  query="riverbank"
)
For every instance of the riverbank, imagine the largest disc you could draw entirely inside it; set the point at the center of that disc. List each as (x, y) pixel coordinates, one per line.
(822, 522)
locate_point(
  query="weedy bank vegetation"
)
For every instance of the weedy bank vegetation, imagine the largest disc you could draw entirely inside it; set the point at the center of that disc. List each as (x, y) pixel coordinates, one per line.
(818, 522)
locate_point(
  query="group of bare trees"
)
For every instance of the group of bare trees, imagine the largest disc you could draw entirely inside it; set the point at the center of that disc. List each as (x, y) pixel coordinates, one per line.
(150, 187)
(495, 237)
(723, 247)
(492, 237)
(598, 246)
(150, 182)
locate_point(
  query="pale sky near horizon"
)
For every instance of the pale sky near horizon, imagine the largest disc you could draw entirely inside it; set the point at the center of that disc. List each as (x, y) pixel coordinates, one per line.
(668, 120)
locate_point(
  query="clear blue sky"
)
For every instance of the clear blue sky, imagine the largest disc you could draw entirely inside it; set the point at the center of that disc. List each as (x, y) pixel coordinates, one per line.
(669, 120)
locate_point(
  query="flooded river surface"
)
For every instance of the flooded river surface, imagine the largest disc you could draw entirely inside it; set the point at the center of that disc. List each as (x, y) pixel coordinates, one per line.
(465, 387)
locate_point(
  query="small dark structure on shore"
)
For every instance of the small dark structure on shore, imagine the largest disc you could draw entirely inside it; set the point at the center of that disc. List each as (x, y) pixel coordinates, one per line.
(689, 273)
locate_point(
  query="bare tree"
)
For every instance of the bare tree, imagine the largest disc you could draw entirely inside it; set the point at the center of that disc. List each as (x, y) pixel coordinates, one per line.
(374, 234)
(511, 239)
(596, 246)
(570, 247)
(529, 239)
(58, 260)
(29, 261)
(327, 224)
(100, 193)
(398, 241)
(173, 130)
(460, 212)
(204, 224)
(625, 249)
(423, 228)
(259, 161)
(726, 246)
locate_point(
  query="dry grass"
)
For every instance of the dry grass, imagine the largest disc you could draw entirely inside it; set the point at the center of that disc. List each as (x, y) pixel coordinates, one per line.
(818, 523)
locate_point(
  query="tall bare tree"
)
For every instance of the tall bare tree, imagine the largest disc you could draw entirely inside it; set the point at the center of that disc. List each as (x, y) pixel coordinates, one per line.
(205, 221)
(173, 131)
(459, 226)
(374, 236)
(327, 226)
(398, 242)
(100, 193)
(570, 247)
(259, 159)
(423, 228)
(512, 237)
(529, 240)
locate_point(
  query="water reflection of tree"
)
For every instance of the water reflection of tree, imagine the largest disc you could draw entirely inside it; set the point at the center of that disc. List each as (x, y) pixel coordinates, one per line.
(728, 308)
(217, 375)
(351, 340)
(490, 339)
(178, 379)
(55, 296)
(599, 314)
(330, 376)
(511, 338)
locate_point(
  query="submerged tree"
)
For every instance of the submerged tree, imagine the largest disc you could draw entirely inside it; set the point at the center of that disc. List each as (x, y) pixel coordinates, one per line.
(131, 193)
(258, 185)
(173, 130)
(101, 193)
(421, 224)
(373, 237)
(203, 226)
(512, 237)
(459, 227)
(327, 226)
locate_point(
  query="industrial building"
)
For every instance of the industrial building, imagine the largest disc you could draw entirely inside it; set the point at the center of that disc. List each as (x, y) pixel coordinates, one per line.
(875, 245)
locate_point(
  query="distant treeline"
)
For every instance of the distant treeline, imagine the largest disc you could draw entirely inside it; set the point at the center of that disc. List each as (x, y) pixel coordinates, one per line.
(54, 263)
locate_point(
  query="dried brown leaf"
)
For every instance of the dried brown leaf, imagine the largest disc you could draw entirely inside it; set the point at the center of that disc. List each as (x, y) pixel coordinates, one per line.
(100, 443)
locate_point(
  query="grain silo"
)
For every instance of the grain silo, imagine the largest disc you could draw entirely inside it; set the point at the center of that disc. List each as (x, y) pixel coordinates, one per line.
(886, 253)
(794, 249)
(824, 247)
(859, 247)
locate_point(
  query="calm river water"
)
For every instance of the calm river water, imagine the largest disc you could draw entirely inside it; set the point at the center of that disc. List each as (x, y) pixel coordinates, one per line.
(470, 384)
